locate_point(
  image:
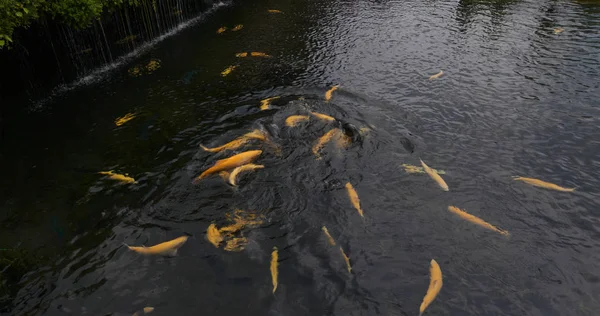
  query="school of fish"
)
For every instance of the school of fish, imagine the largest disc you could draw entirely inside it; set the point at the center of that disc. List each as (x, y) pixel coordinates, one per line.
(232, 234)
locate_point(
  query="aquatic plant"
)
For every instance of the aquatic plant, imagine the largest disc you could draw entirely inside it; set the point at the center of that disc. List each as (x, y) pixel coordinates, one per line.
(78, 14)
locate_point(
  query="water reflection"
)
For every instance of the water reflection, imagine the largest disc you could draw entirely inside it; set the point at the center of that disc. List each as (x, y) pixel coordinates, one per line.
(518, 102)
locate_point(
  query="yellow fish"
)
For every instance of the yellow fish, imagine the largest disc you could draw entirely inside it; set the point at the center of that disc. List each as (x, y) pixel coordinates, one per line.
(236, 244)
(436, 177)
(225, 175)
(364, 130)
(343, 140)
(237, 27)
(266, 103)
(241, 55)
(228, 70)
(238, 170)
(221, 30)
(415, 169)
(294, 120)
(439, 74)
(168, 248)
(348, 266)
(118, 177)
(231, 229)
(435, 285)
(146, 310)
(558, 30)
(274, 272)
(259, 54)
(354, 198)
(274, 11)
(213, 235)
(323, 117)
(124, 119)
(236, 143)
(476, 220)
(329, 238)
(230, 163)
(330, 92)
(323, 140)
(543, 184)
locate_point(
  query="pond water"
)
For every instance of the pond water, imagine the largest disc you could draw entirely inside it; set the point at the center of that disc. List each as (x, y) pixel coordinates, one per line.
(518, 97)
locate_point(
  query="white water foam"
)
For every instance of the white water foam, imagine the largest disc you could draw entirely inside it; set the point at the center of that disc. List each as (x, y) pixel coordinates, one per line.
(102, 72)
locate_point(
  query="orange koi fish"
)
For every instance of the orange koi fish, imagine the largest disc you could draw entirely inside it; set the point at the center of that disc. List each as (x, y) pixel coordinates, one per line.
(329, 92)
(476, 220)
(354, 198)
(294, 120)
(230, 163)
(436, 76)
(168, 248)
(543, 184)
(435, 285)
(238, 142)
(435, 176)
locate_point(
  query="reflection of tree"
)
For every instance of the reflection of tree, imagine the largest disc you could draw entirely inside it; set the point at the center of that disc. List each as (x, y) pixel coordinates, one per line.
(467, 10)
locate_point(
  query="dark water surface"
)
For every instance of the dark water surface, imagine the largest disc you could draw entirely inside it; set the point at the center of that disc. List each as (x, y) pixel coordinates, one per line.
(515, 99)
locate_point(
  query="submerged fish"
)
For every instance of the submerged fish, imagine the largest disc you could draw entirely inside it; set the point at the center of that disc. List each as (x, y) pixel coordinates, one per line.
(238, 142)
(241, 55)
(225, 175)
(259, 54)
(543, 184)
(236, 244)
(330, 92)
(435, 176)
(323, 140)
(266, 103)
(322, 116)
(230, 163)
(364, 130)
(221, 30)
(476, 220)
(213, 235)
(124, 119)
(435, 285)
(294, 120)
(329, 238)
(436, 76)
(228, 70)
(354, 198)
(146, 310)
(168, 248)
(238, 170)
(558, 30)
(348, 266)
(274, 11)
(244, 219)
(274, 272)
(416, 169)
(237, 27)
(118, 177)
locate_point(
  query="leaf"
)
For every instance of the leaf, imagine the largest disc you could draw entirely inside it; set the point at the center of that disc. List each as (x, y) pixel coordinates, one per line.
(19, 14)
(1, 43)
(26, 10)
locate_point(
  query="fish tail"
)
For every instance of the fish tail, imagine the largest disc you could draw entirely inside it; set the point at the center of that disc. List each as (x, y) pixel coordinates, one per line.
(197, 179)
(208, 149)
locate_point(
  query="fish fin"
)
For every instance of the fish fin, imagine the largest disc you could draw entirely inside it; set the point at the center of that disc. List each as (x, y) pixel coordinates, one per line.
(171, 253)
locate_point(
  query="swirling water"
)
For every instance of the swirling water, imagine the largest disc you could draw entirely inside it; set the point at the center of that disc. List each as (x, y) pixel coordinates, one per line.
(515, 99)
